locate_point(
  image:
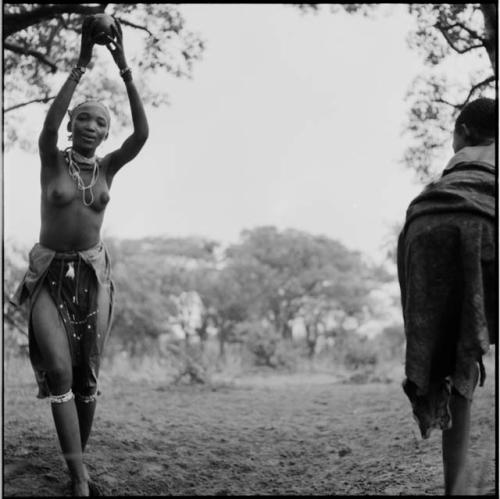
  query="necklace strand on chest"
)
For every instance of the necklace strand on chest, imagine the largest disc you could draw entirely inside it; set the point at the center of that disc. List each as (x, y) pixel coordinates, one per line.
(76, 163)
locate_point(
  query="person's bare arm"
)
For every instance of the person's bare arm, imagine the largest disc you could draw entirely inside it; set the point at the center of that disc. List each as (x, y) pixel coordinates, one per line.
(134, 143)
(47, 141)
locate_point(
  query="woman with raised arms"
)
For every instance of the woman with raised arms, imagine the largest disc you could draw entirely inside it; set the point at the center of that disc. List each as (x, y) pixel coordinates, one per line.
(68, 284)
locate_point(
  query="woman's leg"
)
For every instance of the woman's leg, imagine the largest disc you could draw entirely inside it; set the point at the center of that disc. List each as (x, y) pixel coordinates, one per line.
(85, 407)
(52, 341)
(455, 442)
(85, 411)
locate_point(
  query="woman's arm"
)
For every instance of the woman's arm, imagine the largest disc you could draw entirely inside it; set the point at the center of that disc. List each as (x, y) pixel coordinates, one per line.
(47, 141)
(132, 144)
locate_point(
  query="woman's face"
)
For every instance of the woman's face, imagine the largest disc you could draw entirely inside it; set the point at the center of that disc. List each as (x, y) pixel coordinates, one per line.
(89, 126)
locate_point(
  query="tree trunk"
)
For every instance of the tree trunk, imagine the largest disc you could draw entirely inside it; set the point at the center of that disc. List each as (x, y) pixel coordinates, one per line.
(311, 339)
(286, 331)
(202, 335)
(222, 343)
(490, 27)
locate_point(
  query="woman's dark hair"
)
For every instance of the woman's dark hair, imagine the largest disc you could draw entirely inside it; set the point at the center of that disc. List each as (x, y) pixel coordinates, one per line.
(480, 117)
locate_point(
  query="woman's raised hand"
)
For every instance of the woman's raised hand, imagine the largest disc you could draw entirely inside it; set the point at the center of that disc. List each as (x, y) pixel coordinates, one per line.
(115, 45)
(87, 42)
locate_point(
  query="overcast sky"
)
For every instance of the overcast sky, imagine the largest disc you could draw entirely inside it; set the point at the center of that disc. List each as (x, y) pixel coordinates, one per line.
(290, 120)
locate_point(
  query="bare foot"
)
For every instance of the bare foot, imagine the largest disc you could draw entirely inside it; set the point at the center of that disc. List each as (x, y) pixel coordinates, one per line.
(80, 489)
(86, 473)
(94, 489)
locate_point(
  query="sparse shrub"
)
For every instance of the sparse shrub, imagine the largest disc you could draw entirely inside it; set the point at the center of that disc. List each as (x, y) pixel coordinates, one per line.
(391, 342)
(268, 347)
(15, 343)
(360, 354)
(262, 341)
(354, 351)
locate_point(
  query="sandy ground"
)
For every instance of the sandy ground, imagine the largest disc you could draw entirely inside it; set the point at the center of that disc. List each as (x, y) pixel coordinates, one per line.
(310, 435)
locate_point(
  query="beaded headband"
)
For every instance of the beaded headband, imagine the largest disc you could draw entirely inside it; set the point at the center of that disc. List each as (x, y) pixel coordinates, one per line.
(75, 111)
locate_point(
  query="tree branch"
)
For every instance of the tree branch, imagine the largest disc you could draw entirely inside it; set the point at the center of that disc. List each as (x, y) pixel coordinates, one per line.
(440, 100)
(471, 92)
(452, 45)
(471, 32)
(51, 37)
(476, 86)
(13, 322)
(133, 25)
(18, 49)
(14, 22)
(489, 12)
(22, 104)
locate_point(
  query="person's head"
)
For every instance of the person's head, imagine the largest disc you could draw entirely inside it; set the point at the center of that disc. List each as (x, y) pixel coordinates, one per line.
(476, 124)
(89, 125)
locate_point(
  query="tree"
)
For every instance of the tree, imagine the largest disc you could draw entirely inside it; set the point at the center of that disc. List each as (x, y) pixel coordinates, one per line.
(190, 314)
(15, 320)
(227, 301)
(42, 40)
(315, 313)
(280, 269)
(444, 33)
(149, 274)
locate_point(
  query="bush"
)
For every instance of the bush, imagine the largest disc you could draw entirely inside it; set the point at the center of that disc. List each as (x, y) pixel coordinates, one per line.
(15, 344)
(268, 348)
(360, 354)
(354, 351)
(392, 342)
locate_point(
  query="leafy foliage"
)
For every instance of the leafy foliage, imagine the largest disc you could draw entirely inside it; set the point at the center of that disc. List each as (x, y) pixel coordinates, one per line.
(43, 40)
(149, 273)
(15, 319)
(284, 267)
(352, 8)
(268, 347)
(251, 295)
(444, 33)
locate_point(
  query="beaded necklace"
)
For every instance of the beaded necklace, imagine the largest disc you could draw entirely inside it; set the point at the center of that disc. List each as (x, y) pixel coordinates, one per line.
(76, 163)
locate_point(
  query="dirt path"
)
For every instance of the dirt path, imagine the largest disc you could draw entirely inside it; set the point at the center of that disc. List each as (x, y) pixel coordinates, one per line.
(259, 436)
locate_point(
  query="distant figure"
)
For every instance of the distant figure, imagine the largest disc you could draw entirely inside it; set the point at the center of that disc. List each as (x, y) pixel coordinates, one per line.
(68, 284)
(447, 271)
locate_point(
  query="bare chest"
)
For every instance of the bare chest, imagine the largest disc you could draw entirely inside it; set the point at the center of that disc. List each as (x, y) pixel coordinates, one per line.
(64, 184)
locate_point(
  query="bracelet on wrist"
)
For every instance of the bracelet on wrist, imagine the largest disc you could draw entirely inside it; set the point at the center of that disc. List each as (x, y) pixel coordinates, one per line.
(126, 74)
(76, 73)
